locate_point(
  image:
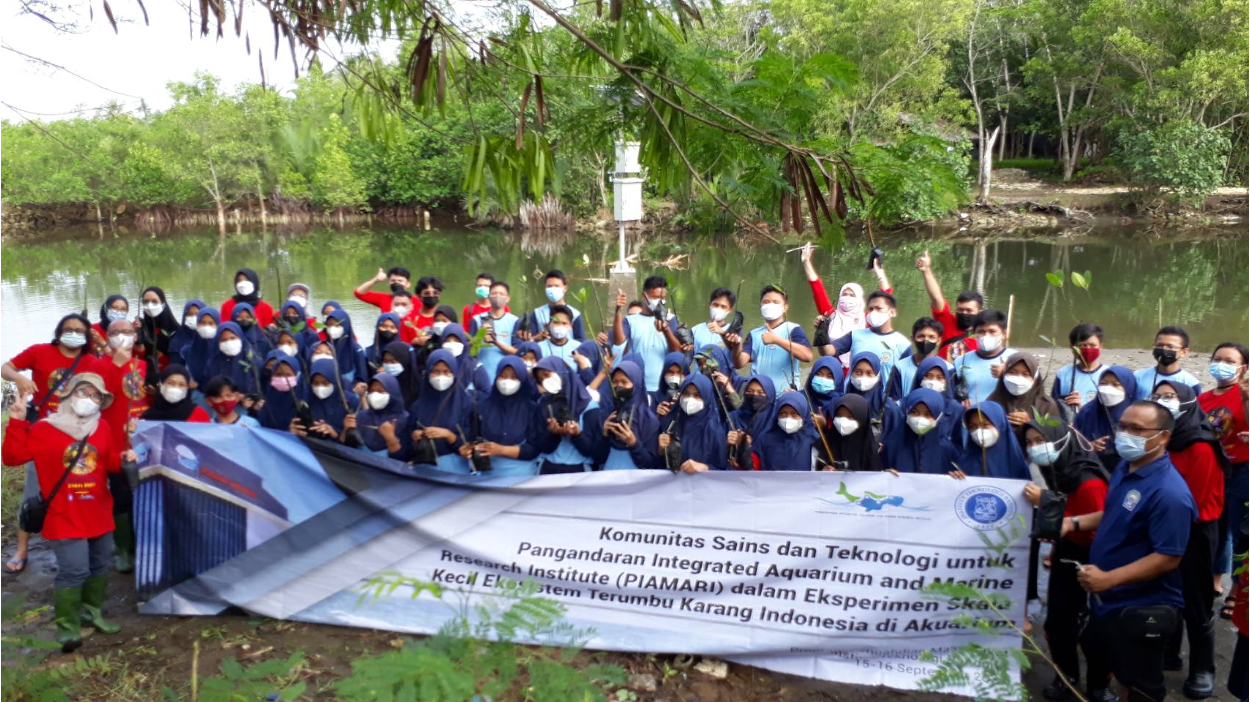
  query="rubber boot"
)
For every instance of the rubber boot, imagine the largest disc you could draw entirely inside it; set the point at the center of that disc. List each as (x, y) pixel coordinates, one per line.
(67, 602)
(93, 602)
(123, 543)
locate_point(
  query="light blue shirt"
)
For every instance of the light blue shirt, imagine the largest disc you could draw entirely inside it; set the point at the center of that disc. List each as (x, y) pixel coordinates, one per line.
(643, 339)
(888, 347)
(244, 420)
(905, 369)
(1148, 378)
(974, 371)
(564, 352)
(1086, 382)
(566, 453)
(704, 337)
(490, 355)
(772, 360)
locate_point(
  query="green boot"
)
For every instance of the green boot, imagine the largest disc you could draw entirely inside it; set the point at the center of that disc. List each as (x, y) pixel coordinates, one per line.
(68, 607)
(124, 543)
(92, 604)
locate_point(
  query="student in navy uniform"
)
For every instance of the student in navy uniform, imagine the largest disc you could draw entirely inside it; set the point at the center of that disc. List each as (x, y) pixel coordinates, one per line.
(1096, 421)
(926, 334)
(752, 418)
(978, 370)
(348, 353)
(1141, 536)
(185, 335)
(472, 376)
(501, 426)
(1171, 345)
(384, 402)
(500, 339)
(720, 315)
(676, 368)
(385, 331)
(627, 426)
(919, 444)
(787, 439)
(865, 380)
(558, 428)
(935, 374)
(556, 286)
(559, 338)
(990, 448)
(700, 429)
(879, 337)
(824, 386)
(1076, 384)
(442, 406)
(777, 347)
(854, 445)
(643, 333)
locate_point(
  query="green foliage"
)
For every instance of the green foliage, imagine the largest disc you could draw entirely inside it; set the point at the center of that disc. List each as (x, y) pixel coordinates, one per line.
(236, 683)
(1180, 160)
(26, 679)
(334, 185)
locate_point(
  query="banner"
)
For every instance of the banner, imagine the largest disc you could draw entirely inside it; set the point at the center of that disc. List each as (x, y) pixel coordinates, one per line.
(817, 574)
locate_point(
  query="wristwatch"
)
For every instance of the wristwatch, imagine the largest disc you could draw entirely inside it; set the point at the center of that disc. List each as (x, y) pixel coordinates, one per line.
(1076, 524)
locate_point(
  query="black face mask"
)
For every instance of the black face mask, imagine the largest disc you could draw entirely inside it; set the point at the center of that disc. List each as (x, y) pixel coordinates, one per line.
(1165, 357)
(965, 320)
(397, 287)
(246, 323)
(926, 347)
(755, 402)
(293, 321)
(429, 301)
(386, 337)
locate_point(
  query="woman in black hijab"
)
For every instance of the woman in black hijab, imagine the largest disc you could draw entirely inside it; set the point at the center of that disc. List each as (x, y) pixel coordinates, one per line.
(157, 325)
(851, 439)
(172, 402)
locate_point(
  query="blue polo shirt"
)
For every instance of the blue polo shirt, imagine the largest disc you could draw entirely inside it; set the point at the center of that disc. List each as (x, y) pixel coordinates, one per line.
(1148, 511)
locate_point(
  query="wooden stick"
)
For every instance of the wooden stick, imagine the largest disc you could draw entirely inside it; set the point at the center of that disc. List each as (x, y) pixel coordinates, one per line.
(1011, 308)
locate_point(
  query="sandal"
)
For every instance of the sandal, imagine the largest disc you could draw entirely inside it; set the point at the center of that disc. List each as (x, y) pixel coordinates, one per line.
(14, 566)
(1226, 612)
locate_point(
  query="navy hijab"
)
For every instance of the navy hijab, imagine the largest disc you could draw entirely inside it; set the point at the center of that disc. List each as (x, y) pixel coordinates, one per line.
(703, 433)
(571, 389)
(778, 450)
(304, 336)
(1096, 420)
(825, 400)
(280, 407)
(875, 397)
(445, 408)
(505, 419)
(952, 411)
(674, 358)
(642, 419)
(1002, 460)
(373, 354)
(253, 334)
(196, 353)
(334, 408)
(347, 351)
(754, 422)
(185, 335)
(930, 453)
(858, 450)
(409, 380)
(243, 369)
(591, 351)
(368, 418)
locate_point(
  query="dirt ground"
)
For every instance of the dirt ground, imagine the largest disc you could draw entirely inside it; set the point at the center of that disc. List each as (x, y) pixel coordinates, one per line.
(1011, 185)
(153, 653)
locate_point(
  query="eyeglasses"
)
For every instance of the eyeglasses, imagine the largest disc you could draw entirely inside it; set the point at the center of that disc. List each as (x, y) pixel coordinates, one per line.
(1165, 397)
(1136, 431)
(90, 394)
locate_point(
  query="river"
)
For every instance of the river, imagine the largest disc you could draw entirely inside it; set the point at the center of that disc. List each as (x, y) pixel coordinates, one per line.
(1197, 281)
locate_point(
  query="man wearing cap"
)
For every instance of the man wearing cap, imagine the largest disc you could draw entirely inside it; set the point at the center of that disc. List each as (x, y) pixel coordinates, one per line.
(73, 450)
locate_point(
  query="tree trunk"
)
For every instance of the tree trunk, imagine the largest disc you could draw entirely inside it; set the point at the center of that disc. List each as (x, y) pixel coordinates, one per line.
(221, 217)
(987, 165)
(1002, 144)
(260, 199)
(1032, 136)
(99, 219)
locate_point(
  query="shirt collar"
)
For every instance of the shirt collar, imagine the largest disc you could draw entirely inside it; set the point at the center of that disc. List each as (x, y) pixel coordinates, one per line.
(1150, 468)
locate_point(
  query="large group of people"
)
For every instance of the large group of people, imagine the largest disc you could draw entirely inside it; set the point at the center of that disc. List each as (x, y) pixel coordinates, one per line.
(1146, 468)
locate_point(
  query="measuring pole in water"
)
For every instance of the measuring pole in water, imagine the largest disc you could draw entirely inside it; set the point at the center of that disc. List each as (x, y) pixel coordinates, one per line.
(626, 207)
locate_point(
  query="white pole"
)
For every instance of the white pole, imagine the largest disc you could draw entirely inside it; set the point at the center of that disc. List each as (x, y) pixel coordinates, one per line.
(621, 264)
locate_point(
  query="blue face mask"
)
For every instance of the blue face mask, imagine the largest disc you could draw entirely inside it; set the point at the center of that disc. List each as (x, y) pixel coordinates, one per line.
(116, 315)
(1222, 371)
(824, 386)
(555, 293)
(1046, 454)
(1131, 447)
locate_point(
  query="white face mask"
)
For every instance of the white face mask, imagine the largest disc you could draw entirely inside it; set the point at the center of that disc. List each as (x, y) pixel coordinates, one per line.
(393, 368)
(691, 405)
(673, 380)
(553, 384)
(560, 331)
(790, 424)
(439, 327)
(323, 391)
(1110, 396)
(933, 384)
(772, 311)
(507, 386)
(289, 349)
(378, 400)
(529, 365)
(245, 287)
(231, 347)
(206, 332)
(401, 310)
(122, 341)
(845, 425)
(152, 309)
(1173, 406)
(302, 302)
(173, 395)
(921, 425)
(189, 321)
(441, 382)
(73, 340)
(989, 344)
(877, 318)
(864, 383)
(1017, 385)
(84, 407)
(322, 357)
(335, 333)
(985, 438)
(717, 314)
(454, 348)
(653, 302)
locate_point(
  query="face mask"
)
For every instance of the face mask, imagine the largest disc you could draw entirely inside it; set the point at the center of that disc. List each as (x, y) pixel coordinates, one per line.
(298, 300)
(206, 332)
(455, 348)
(789, 424)
(401, 310)
(439, 327)
(877, 318)
(322, 357)
(223, 407)
(231, 347)
(1090, 355)
(482, 291)
(189, 321)
(378, 400)
(386, 337)
(771, 311)
(845, 425)
(1046, 454)
(1174, 406)
(850, 305)
(1165, 357)
(553, 384)
(152, 309)
(335, 333)
(283, 383)
(246, 323)
(559, 331)
(294, 322)
(84, 407)
(289, 349)
(122, 341)
(691, 405)
(430, 301)
(245, 287)
(924, 348)
(397, 286)
(1223, 372)
(1110, 396)
(653, 302)
(73, 340)
(985, 438)
(323, 391)
(393, 369)
(1017, 385)
(441, 382)
(507, 386)
(933, 384)
(965, 320)
(755, 402)
(1131, 447)
(623, 395)
(717, 314)
(989, 344)
(673, 380)
(864, 383)
(555, 293)
(116, 315)
(822, 385)
(498, 303)
(173, 395)
(529, 365)
(921, 425)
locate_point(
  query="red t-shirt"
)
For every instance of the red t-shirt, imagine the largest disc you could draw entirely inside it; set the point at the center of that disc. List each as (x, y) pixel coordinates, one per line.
(380, 300)
(264, 313)
(950, 330)
(130, 399)
(47, 364)
(83, 507)
(1088, 498)
(472, 310)
(1201, 470)
(1227, 413)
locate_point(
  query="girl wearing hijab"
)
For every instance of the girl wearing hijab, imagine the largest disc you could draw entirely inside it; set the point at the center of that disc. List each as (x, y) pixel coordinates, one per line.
(235, 359)
(530, 353)
(384, 402)
(473, 376)
(385, 331)
(244, 315)
(328, 404)
(1021, 392)
(752, 418)
(847, 316)
(937, 375)
(824, 385)
(115, 307)
(157, 326)
(501, 423)
(852, 440)
(920, 444)
(1076, 476)
(185, 335)
(283, 394)
(787, 441)
(865, 380)
(589, 361)
(397, 362)
(628, 428)
(699, 429)
(1195, 451)
(348, 354)
(435, 420)
(295, 322)
(990, 448)
(79, 521)
(173, 400)
(247, 289)
(558, 424)
(1096, 421)
(676, 368)
(328, 307)
(195, 355)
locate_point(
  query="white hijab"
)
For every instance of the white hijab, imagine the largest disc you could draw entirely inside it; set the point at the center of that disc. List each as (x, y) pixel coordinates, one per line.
(848, 312)
(68, 421)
